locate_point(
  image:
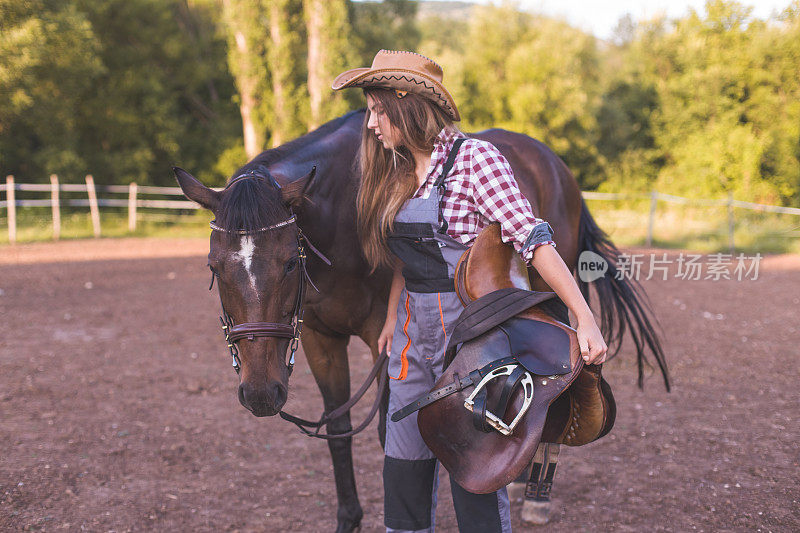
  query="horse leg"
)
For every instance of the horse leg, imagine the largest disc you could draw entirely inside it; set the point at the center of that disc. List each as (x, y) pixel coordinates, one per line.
(536, 505)
(327, 357)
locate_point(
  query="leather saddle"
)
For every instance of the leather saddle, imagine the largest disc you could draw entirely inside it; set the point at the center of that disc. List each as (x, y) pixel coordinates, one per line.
(513, 376)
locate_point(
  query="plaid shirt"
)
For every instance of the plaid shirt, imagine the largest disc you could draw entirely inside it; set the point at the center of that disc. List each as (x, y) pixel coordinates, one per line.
(481, 189)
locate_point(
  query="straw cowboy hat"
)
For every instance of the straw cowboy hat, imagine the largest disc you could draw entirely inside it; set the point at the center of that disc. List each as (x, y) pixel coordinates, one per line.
(404, 72)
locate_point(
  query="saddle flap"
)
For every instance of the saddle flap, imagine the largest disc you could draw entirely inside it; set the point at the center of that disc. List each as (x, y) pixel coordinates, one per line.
(540, 347)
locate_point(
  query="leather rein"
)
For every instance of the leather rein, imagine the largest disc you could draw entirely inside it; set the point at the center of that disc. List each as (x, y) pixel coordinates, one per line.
(235, 333)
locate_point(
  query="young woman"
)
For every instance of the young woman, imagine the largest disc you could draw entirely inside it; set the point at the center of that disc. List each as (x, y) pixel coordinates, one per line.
(418, 221)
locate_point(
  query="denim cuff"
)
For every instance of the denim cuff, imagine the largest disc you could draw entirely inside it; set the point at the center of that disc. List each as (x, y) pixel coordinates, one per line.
(541, 232)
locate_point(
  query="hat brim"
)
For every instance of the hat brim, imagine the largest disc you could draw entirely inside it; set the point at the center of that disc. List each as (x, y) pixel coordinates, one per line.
(394, 78)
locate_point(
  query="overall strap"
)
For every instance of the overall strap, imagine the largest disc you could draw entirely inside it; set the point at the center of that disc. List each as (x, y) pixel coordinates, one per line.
(439, 183)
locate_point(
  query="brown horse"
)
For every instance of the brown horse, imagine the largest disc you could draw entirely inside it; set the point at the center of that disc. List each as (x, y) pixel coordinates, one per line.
(254, 255)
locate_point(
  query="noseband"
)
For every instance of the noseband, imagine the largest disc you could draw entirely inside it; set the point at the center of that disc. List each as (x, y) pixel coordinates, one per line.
(251, 330)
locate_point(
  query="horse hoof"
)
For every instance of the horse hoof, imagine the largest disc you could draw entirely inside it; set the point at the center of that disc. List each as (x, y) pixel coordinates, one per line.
(516, 491)
(536, 513)
(354, 528)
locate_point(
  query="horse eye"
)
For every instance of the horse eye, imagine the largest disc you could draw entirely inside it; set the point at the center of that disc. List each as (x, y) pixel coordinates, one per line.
(291, 264)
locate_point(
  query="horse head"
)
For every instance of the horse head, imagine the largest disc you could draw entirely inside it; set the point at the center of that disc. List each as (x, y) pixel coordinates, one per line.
(256, 257)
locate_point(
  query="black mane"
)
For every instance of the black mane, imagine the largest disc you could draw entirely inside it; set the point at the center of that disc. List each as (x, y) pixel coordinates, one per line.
(251, 204)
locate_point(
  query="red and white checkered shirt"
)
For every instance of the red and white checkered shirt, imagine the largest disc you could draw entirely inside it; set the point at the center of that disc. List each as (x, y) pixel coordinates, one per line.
(481, 189)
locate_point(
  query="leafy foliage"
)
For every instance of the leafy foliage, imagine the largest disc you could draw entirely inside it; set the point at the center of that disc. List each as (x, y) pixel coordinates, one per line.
(704, 105)
(718, 94)
(119, 89)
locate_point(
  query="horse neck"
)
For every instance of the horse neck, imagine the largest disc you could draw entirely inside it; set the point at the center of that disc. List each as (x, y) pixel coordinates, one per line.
(329, 214)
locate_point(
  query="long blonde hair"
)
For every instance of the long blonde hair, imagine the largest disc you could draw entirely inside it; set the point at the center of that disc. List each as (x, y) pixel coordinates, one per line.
(388, 177)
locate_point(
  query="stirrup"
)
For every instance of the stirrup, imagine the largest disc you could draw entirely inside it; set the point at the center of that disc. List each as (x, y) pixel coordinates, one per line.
(496, 421)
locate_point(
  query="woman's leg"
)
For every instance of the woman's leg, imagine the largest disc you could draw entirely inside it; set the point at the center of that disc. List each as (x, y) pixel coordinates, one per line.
(409, 468)
(481, 513)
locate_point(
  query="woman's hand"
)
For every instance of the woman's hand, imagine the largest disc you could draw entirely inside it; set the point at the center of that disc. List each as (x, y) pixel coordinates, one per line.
(590, 340)
(385, 338)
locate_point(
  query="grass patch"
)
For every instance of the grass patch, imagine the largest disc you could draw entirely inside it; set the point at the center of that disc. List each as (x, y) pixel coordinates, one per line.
(36, 225)
(701, 228)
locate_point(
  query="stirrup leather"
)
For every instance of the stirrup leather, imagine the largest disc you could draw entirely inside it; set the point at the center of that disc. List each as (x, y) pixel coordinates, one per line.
(495, 421)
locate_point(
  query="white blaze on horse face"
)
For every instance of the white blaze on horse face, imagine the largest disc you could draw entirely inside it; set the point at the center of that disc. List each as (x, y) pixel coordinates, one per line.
(246, 250)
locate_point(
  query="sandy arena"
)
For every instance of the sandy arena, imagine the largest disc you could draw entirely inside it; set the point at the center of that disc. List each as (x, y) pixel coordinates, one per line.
(119, 411)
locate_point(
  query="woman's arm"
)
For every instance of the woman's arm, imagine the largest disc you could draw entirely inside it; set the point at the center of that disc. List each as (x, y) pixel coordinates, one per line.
(498, 198)
(556, 274)
(385, 338)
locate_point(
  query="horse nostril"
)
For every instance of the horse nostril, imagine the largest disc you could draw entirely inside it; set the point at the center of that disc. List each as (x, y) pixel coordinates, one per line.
(279, 395)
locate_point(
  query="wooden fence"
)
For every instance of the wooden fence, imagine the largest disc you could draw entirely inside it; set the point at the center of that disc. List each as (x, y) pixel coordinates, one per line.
(134, 198)
(729, 203)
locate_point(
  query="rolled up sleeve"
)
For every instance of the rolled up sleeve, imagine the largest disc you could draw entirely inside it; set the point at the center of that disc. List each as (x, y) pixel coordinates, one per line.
(498, 198)
(542, 233)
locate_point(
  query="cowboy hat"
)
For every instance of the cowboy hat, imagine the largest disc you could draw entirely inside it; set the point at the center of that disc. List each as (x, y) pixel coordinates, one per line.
(406, 71)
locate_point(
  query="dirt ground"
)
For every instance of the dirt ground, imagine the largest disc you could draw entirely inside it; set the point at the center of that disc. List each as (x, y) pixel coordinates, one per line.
(118, 409)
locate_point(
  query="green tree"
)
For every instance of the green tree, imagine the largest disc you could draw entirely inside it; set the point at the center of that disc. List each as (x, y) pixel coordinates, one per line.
(329, 53)
(286, 57)
(246, 24)
(118, 89)
(528, 74)
(49, 64)
(390, 25)
(726, 113)
(165, 96)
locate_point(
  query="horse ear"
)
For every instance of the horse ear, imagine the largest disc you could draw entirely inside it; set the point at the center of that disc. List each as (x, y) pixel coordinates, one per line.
(295, 192)
(196, 191)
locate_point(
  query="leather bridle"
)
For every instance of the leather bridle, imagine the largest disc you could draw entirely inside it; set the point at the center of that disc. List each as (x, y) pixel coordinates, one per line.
(235, 333)
(251, 330)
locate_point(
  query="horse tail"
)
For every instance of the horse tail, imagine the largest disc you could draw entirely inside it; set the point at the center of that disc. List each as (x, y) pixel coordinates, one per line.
(623, 303)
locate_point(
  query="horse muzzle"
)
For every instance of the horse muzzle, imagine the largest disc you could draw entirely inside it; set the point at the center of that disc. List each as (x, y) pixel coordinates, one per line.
(265, 400)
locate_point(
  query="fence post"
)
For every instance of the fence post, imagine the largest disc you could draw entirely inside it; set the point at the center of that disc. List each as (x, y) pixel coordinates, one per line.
(12, 209)
(56, 205)
(730, 223)
(93, 204)
(651, 222)
(132, 190)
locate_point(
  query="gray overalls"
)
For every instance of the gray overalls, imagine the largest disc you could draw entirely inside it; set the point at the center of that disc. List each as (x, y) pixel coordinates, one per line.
(428, 306)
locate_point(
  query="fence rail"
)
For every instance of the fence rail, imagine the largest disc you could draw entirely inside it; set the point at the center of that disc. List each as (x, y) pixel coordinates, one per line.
(134, 202)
